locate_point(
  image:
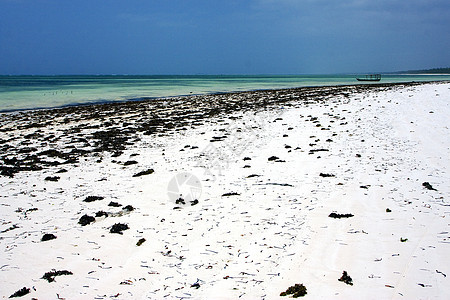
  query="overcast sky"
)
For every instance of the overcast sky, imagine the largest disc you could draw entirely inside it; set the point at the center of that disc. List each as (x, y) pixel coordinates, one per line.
(222, 37)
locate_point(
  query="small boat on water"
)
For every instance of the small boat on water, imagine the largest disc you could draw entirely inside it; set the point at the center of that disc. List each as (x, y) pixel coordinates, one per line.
(369, 77)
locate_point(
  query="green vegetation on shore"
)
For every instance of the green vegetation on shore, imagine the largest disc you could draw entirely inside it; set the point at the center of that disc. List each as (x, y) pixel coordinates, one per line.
(426, 71)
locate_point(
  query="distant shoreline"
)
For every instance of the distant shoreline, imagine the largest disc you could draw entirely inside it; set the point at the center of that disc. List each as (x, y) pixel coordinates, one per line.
(418, 74)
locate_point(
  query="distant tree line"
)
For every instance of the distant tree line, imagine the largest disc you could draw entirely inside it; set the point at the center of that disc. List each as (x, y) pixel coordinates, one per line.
(427, 71)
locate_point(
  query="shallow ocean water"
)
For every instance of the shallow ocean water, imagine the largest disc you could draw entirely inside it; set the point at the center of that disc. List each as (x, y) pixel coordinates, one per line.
(31, 92)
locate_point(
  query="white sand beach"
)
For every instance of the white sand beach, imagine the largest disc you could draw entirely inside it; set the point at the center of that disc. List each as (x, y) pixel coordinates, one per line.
(265, 179)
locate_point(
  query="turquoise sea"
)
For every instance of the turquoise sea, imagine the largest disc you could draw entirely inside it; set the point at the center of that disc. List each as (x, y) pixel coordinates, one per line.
(32, 92)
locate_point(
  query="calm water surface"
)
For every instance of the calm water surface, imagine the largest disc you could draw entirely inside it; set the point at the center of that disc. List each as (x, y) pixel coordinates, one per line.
(31, 92)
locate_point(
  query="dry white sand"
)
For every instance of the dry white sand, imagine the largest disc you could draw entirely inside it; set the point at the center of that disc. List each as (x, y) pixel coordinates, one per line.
(273, 231)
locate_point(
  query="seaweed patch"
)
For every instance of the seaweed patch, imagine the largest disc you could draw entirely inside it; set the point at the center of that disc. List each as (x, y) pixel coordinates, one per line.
(312, 151)
(146, 172)
(128, 208)
(297, 290)
(51, 178)
(50, 276)
(275, 159)
(253, 175)
(346, 278)
(86, 220)
(230, 194)
(118, 228)
(48, 237)
(428, 186)
(93, 198)
(101, 213)
(326, 175)
(180, 201)
(195, 285)
(130, 162)
(22, 292)
(10, 228)
(339, 216)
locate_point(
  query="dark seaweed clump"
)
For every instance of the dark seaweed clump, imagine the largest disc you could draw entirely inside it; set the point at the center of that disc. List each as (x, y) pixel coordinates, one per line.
(195, 285)
(428, 186)
(48, 237)
(142, 173)
(113, 140)
(180, 201)
(20, 293)
(253, 175)
(118, 228)
(114, 204)
(101, 213)
(86, 220)
(230, 194)
(50, 276)
(128, 208)
(338, 216)
(10, 228)
(297, 290)
(346, 278)
(326, 175)
(93, 198)
(312, 151)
